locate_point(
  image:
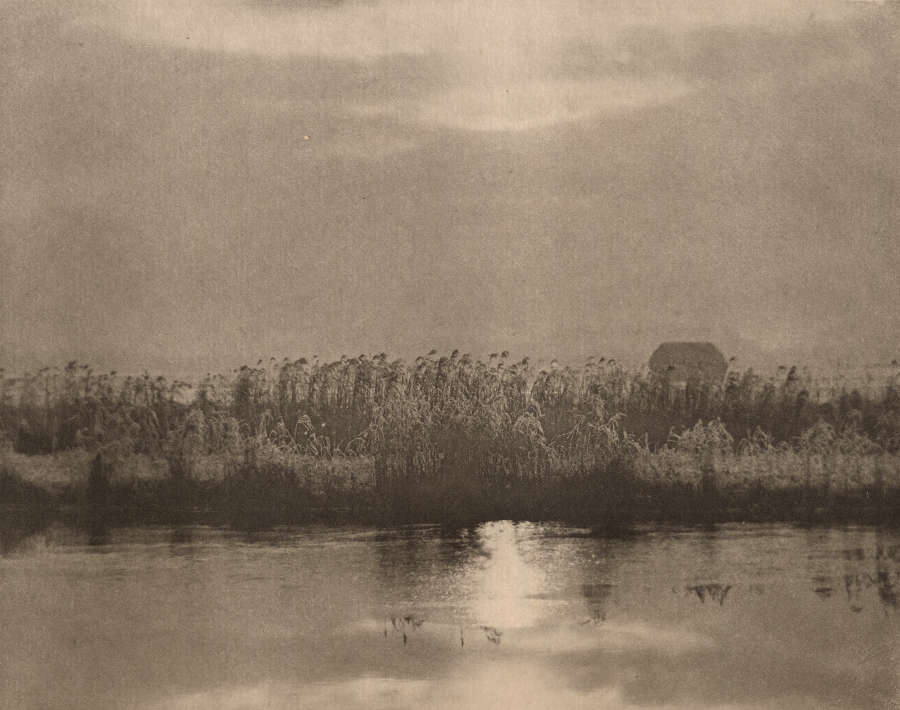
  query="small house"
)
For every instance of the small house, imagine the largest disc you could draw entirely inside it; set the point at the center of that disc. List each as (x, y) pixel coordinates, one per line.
(694, 362)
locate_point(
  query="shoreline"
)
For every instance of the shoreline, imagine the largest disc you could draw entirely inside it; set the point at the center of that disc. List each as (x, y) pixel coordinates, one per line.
(250, 499)
(451, 440)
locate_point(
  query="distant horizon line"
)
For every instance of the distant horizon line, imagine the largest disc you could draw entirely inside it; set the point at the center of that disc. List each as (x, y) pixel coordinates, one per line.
(630, 364)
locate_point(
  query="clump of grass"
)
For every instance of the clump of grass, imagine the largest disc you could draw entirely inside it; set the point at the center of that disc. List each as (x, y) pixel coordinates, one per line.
(458, 439)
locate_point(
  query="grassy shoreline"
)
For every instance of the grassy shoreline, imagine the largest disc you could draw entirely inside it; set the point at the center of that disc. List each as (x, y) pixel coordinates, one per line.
(450, 440)
(664, 487)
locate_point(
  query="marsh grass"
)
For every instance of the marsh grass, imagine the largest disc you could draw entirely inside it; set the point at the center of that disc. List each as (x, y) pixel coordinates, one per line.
(456, 440)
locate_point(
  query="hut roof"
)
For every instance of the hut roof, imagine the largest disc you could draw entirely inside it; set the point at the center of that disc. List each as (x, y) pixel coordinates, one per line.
(681, 361)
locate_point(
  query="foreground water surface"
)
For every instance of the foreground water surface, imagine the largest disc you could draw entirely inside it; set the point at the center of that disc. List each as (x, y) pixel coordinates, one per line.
(501, 616)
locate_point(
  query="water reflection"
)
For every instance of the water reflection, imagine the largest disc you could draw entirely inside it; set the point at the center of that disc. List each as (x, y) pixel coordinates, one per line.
(598, 597)
(97, 530)
(857, 576)
(522, 586)
(496, 616)
(715, 592)
(884, 582)
(507, 587)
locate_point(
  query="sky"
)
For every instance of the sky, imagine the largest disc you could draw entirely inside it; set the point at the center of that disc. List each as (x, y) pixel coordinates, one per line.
(187, 186)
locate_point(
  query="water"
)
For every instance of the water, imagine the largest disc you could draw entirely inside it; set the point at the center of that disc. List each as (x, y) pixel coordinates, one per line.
(502, 616)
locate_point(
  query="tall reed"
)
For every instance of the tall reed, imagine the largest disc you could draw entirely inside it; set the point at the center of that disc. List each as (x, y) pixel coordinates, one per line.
(446, 429)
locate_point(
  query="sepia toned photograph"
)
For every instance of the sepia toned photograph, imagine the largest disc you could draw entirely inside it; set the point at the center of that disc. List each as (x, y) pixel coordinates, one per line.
(450, 354)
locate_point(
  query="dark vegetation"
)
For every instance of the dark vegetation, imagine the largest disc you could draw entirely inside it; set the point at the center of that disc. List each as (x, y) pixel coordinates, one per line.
(451, 439)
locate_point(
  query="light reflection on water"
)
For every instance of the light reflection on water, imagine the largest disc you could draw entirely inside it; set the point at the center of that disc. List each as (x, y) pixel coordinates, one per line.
(508, 587)
(505, 615)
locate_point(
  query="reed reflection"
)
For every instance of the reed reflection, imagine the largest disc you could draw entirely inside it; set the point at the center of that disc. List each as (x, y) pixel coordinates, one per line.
(860, 576)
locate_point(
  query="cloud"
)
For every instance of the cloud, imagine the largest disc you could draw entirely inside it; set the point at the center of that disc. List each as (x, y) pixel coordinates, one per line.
(335, 135)
(433, 184)
(356, 31)
(533, 104)
(616, 637)
(506, 66)
(369, 30)
(495, 685)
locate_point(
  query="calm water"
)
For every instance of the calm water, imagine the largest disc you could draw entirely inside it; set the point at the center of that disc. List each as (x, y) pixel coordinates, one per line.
(502, 616)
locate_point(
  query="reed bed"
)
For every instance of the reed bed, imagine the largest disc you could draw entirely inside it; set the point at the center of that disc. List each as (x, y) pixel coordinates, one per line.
(458, 439)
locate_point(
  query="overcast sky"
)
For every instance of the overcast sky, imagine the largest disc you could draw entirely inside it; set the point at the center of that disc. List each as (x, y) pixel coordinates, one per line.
(191, 185)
